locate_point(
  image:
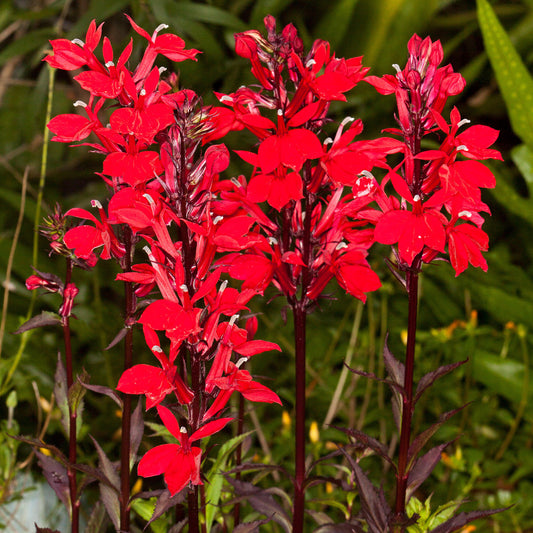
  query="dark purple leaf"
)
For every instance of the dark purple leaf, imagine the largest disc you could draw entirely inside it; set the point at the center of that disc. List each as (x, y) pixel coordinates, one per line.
(76, 393)
(56, 475)
(262, 501)
(428, 379)
(394, 386)
(44, 529)
(395, 368)
(166, 502)
(107, 468)
(251, 527)
(39, 321)
(376, 446)
(420, 441)
(394, 271)
(339, 528)
(374, 507)
(460, 520)
(136, 431)
(119, 336)
(100, 389)
(96, 522)
(423, 467)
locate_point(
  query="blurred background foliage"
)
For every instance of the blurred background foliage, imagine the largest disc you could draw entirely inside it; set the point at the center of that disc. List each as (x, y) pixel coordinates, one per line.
(486, 318)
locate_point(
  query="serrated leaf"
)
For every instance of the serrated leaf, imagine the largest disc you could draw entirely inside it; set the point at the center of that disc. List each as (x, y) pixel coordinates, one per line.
(428, 379)
(262, 501)
(39, 321)
(166, 502)
(56, 475)
(136, 432)
(96, 522)
(423, 467)
(76, 393)
(100, 389)
(462, 519)
(516, 84)
(251, 527)
(376, 446)
(374, 507)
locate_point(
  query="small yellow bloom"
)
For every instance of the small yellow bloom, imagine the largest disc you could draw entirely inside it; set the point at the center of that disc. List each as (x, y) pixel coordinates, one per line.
(286, 420)
(329, 487)
(45, 451)
(137, 486)
(314, 433)
(468, 529)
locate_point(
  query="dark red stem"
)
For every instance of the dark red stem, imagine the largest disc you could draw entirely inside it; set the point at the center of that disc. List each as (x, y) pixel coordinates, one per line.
(300, 320)
(192, 498)
(130, 305)
(408, 404)
(72, 441)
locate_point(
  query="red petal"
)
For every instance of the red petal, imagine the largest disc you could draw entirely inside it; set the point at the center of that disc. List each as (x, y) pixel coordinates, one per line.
(156, 460)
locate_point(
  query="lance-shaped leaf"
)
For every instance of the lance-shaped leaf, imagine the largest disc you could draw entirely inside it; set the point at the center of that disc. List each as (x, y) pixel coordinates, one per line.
(376, 446)
(61, 393)
(422, 468)
(96, 522)
(137, 431)
(460, 520)
(75, 397)
(166, 502)
(420, 441)
(100, 389)
(262, 501)
(374, 507)
(428, 379)
(251, 527)
(109, 492)
(516, 84)
(56, 475)
(39, 321)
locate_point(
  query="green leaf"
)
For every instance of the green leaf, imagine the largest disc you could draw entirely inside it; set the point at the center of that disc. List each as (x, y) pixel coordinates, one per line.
(516, 84)
(27, 43)
(335, 24)
(216, 479)
(504, 377)
(145, 509)
(522, 157)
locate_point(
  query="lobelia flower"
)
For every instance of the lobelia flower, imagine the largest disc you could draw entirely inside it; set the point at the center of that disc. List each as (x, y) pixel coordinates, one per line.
(439, 194)
(179, 463)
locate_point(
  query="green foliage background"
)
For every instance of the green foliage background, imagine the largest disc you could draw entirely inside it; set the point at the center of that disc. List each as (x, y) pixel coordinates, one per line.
(487, 318)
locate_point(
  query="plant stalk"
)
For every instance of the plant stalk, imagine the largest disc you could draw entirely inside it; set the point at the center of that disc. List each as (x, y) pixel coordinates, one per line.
(408, 404)
(127, 399)
(300, 320)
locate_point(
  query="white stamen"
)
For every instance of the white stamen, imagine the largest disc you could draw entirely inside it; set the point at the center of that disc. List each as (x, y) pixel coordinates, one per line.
(396, 67)
(466, 214)
(79, 103)
(110, 64)
(241, 362)
(347, 120)
(232, 320)
(272, 241)
(218, 219)
(463, 122)
(310, 63)
(183, 430)
(147, 250)
(223, 286)
(416, 198)
(162, 69)
(184, 288)
(161, 27)
(226, 98)
(341, 245)
(157, 349)
(149, 199)
(96, 203)
(142, 92)
(327, 141)
(236, 182)
(280, 112)
(462, 148)
(79, 42)
(368, 174)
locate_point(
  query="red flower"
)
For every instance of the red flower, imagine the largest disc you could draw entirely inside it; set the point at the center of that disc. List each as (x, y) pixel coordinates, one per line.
(180, 463)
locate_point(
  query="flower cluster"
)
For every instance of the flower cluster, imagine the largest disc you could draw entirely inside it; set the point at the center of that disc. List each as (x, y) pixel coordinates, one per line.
(163, 182)
(438, 202)
(314, 186)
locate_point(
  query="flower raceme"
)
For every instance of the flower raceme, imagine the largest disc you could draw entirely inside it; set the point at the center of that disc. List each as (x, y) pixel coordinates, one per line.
(164, 179)
(442, 190)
